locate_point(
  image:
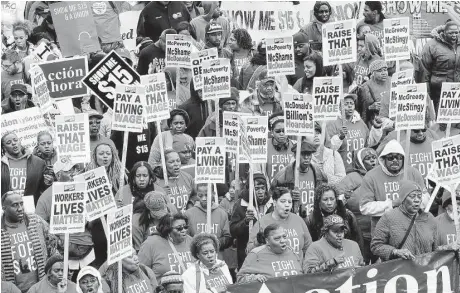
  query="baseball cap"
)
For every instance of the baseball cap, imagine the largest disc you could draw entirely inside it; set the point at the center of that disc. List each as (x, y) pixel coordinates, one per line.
(155, 202)
(213, 27)
(264, 77)
(94, 113)
(306, 146)
(333, 221)
(19, 87)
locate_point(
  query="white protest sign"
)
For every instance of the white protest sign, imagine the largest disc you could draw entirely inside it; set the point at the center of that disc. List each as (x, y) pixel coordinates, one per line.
(119, 234)
(100, 198)
(399, 78)
(210, 160)
(156, 102)
(327, 93)
(244, 150)
(298, 114)
(41, 94)
(396, 39)
(231, 129)
(72, 137)
(449, 105)
(128, 28)
(280, 56)
(197, 70)
(411, 106)
(68, 207)
(446, 154)
(216, 79)
(25, 124)
(41, 52)
(339, 42)
(257, 134)
(127, 109)
(178, 49)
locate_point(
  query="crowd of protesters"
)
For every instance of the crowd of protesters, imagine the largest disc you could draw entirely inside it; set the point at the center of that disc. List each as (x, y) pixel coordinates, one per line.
(359, 200)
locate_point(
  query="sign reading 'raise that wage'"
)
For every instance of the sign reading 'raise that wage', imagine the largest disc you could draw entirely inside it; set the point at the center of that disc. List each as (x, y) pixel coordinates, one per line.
(72, 137)
(446, 154)
(156, 105)
(339, 42)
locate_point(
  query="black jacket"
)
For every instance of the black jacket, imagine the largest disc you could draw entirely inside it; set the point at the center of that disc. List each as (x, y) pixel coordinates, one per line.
(197, 111)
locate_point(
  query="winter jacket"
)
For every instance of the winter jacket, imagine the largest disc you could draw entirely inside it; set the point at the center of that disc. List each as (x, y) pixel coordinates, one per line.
(247, 72)
(285, 177)
(206, 278)
(256, 105)
(35, 184)
(197, 111)
(313, 31)
(331, 164)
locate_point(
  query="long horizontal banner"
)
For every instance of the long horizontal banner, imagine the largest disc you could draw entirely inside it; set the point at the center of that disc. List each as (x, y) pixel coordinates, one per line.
(429, 273)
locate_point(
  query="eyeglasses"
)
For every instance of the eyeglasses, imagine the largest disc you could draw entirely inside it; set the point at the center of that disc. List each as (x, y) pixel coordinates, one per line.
(393, 157)
(180, 228)
(88, 281)
(279, 130)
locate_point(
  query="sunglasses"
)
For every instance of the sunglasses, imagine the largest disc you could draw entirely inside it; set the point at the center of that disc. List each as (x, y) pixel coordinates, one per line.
(180, 228)
(279, 130)
(393, 157)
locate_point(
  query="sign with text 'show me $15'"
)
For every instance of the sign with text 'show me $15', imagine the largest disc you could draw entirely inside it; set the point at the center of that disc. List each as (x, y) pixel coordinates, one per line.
(411, 106)
(128, 108)
(339, 42)
(119, 234)
(156, 106)
(280, 56)
(68, 207)
(72, 137)
(298, 114)
(446, 154)
(216, 79)
(210, 160)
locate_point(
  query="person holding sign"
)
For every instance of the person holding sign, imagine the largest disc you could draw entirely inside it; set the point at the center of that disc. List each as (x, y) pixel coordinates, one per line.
(95, 137)
(54, 281)
(152, 57)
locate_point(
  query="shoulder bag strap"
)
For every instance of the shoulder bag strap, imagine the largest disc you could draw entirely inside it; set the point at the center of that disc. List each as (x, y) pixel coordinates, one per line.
(179, 258)
(407, 232)
(198, 277)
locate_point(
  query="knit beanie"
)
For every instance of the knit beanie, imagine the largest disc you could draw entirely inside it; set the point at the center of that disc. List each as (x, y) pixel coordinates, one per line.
(52, 260)
(377, 65)
(274, 119)
(406, 187)
(234, 95)
(171, 277)
(299, 38)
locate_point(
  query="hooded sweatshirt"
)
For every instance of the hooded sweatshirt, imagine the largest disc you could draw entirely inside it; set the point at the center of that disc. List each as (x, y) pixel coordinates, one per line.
(373, 53)
(380, 187)
(279, 157)
(313, 30)
(88, 270)
(141, 280)
(157, 254)
(181, 188)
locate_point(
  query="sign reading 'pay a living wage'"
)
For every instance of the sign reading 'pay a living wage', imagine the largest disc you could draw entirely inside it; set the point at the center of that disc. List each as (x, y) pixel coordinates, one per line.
(216, 79)
(396, 39)
(280, 56)
(197, 69)
(449, 105)
(119, 234)
(298, 114)
(257, 134)
(100, 198)
(339, 42)
(178, 49)
(68, 207)
(399, 78)
(411, 106)
(156, 104)
(128, 108)
(72, 137)
(210, 160)
(326, 97)
(446, 154)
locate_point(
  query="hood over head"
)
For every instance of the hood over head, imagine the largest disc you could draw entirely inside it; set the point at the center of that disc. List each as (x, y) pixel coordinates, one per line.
(88, 270)
(358, 158)
(393, 146)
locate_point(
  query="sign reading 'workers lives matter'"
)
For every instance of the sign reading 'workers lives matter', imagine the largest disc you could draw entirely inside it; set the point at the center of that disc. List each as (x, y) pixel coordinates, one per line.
(446, 154)
(216, 79)
(396, 39)
(119, 236)
(280, 56)
(449, 105)
(197, 68)
(326, 98)
(68, 207)
(210, 160)
(100, 198)
(72, 138)
(128, 108)
(399, 78)
(156, 102)
(178, 49)
(257, 136)
(298, 114)
(339, 42)
(411, 106)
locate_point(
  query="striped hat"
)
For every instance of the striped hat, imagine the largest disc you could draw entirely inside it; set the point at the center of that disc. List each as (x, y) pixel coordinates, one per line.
(171, 277)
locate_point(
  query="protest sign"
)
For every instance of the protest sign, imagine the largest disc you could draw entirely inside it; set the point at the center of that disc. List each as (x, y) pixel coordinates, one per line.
(107, 73)
(128, 109)
(339, 42)
(449, 104)
(231, 128)
(244, 148)
(68, 207)
(216, 79)
(100, 198)
(411, 106)
(298, 114)
(128, 28)
(327, 93)
(197, 70)
(178, 49)
(72, 137)
(446, 154)
(41, 94)
(280, 56)
(25, 124)
(40, 53)
(64, 77)
(75, 28)
(210, 160)
(399, 78)
(156, 102)
(396, 39)
(257, 135)
(119, 236)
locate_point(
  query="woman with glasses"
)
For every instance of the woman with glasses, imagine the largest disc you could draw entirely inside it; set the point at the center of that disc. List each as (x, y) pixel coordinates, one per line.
(168, 249)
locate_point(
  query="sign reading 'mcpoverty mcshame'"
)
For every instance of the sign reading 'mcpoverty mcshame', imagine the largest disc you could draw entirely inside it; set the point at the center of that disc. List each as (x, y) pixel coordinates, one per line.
(100, 199)
(339, 42)
(128, 108)
(411, 106)
(68, 207)
(280, 56)
(197, 68)
(327, 93)
(210, 160)
(178, 49)
(396, 39)
(449, 105)
(446, 154)
(398, 78)
(257, 134)
(119, 234)
(72, 137)
(107, 73)
(156, 101)
(298, 114)
(231, 130)
(216, 79)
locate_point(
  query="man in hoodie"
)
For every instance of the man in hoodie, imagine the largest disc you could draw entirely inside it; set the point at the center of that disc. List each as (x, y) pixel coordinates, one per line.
(89, 281)
(301, 50)
(154, 54)
(241, 216)
(380, 188)
(373, 18)
(322, 13)
(197, 111)
(212, 13)
(310, 177)
(219, 219)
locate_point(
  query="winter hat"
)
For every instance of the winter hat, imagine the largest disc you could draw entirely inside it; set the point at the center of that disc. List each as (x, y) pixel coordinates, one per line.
(259, 176)
(180, 143)
(94, 113)
(264, 77)
(406, 187)
(171, 277)
(333, 221)
(274, 119)
(52, 260)
(299, 38)
(88, 270)
(377, 65)
(234, 95)
(351, 96)
(155, 202)
(447, 198)
(364, 152)
(213, 27)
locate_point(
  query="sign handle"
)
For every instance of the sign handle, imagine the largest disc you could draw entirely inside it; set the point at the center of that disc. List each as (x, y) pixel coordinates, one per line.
(208, 209)
(448, 129)
(342, 100)
(123, 160)
(237, 172)
(120, 277)
(323, 132)
(66, 255)
(297, 171)
(216, 197)
(432, 197)
(251, 194)
(216, 105)
(406, 157)
(454, 208)
(162, 153)
(398, 135)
